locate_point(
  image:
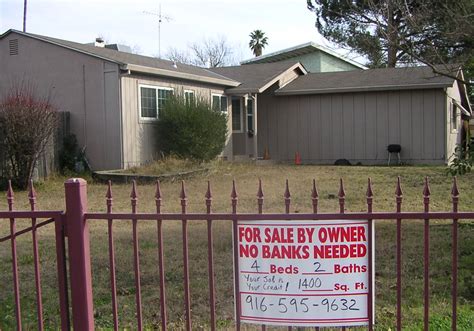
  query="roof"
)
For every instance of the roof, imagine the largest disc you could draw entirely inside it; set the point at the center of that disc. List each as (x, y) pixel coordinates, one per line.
(256, 78)
(307, 48)
(366, 80)
(137, 63)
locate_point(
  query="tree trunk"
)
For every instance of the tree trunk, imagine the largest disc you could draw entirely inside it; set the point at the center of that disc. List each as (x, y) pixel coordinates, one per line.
(392, 38)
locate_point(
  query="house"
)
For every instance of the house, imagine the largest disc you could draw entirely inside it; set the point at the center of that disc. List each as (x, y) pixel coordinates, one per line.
(351, 115)
(276, 108)
(314, 57)
(113, 97)
(355, 115)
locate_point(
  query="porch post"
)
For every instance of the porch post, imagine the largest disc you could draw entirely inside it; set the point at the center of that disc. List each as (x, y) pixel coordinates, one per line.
(255, 129)
(79, 254)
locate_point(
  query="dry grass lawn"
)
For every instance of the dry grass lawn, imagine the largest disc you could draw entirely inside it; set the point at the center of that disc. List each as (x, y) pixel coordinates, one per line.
(51, 197)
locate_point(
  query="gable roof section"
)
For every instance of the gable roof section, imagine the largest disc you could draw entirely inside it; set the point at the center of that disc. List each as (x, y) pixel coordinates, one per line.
(256, 78)
(137, 63)
(366, 80)
(307, 48)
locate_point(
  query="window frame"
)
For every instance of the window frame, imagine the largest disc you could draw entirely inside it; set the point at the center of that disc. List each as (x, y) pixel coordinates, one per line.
(453, 115)
(241, 130)
(220, 102)
(185, 92)
(250, 115)
(156, 88)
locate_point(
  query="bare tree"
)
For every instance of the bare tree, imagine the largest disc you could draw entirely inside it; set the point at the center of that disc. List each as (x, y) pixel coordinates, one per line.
(176, 55)
(207, 53)
(27, 123)
(391, 33)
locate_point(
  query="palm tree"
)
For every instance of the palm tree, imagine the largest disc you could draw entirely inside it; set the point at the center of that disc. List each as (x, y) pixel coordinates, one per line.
(258, 41)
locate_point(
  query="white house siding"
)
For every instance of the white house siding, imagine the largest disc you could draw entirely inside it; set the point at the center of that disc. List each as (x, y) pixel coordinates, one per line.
(80, 84)
(355, 126)
(453, 135)
(140, 141)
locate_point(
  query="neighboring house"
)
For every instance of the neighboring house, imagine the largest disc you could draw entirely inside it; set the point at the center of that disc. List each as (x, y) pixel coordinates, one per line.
(114, 99)
(314, 57)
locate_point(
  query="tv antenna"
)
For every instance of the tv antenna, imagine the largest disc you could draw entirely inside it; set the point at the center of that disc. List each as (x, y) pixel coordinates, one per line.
(161, 17)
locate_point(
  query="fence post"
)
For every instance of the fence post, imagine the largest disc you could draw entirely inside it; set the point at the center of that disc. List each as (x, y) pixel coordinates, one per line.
(79, 254)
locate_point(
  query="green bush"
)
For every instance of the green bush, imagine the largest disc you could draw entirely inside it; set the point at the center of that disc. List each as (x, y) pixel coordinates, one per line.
(69, 153)
(463, 160)
(191, 129)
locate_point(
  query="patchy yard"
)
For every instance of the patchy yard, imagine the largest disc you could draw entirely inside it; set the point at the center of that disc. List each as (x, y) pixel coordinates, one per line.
(50, 196)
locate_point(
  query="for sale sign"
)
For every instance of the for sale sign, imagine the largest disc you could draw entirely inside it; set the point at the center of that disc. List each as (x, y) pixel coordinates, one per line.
(303, 273)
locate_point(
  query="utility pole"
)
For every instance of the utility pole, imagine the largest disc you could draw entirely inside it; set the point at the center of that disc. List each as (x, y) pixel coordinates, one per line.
(25, 5)
(161, 17)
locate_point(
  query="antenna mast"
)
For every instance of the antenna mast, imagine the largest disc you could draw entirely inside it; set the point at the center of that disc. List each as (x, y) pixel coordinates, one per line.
(161, 17)
(25, 5)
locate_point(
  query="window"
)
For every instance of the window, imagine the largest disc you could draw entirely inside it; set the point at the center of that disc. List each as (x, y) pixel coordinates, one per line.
(152, 99)
(236, 114)
(250, 115)
(454, 116)
(189, 96)
(219, 102)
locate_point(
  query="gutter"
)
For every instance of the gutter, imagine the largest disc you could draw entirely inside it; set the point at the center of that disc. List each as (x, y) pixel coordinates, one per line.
(181, 75)
(360, 89)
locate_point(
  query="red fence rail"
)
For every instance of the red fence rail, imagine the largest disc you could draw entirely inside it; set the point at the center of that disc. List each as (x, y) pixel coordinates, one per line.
(74, 224)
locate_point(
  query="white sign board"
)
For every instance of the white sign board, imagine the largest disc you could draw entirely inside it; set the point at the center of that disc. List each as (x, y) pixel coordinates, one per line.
(303, 273)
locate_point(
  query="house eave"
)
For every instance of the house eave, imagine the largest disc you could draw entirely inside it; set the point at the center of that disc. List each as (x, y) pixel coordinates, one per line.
(180, 75)
(59, 44)
(362, 89)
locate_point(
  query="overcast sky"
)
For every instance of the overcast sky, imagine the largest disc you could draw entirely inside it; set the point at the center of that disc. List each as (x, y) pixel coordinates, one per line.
(287, 23)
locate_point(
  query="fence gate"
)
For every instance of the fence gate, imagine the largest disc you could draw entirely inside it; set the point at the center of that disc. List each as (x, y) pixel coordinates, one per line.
(73, 225)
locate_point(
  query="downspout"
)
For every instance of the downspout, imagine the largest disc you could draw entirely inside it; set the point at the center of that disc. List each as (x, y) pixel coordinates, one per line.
(121, 109)
(84, 103)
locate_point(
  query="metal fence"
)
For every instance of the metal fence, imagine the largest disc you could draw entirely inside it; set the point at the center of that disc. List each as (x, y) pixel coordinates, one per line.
(75, 221)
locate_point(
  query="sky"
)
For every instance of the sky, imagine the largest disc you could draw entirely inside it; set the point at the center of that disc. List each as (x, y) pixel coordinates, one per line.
(286, 23)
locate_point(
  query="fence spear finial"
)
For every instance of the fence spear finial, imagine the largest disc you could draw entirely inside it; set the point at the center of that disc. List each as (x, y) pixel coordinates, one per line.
(208, 192)
(10, 195)
(314, 191)
(426, 188)
(398, 190)
(341, 193)
(32, 195)
(369, 193)
(314, 197)
(158, 194)
(454, 190)
(108, 195)
(134, 196)
(287, 194)
(233, 194)
(260, 190)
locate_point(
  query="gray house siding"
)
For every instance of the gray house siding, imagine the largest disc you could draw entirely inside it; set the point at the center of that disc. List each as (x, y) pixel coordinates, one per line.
(140, 139)
(355, 126)
(82, 85)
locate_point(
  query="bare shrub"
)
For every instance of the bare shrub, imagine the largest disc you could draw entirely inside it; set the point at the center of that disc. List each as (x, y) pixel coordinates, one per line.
(27, 122)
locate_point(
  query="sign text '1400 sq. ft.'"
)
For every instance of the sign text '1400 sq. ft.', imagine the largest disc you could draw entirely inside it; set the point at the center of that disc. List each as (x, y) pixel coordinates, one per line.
(304, 273)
